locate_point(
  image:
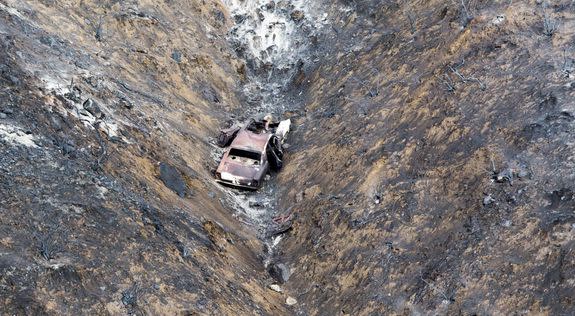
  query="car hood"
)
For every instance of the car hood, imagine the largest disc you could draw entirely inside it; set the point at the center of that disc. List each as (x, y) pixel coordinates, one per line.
(240, 170)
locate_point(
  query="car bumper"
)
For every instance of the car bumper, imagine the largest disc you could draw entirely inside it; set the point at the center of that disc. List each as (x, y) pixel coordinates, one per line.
(238, 184)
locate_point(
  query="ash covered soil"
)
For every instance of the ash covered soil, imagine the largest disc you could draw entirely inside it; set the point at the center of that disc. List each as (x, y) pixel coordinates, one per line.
(430, 169)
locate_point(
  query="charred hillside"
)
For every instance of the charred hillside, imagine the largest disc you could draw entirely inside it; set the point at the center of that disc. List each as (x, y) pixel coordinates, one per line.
(108, 206)
(429, 169)
(442, 140)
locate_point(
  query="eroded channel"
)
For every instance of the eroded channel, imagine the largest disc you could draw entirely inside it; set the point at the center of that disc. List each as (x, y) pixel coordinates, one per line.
(273, 39)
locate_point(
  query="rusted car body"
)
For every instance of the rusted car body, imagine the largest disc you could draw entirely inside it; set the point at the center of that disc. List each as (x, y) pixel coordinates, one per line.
(245, 163)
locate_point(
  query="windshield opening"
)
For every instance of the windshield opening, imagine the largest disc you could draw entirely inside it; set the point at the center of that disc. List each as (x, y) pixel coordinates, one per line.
(236, 153)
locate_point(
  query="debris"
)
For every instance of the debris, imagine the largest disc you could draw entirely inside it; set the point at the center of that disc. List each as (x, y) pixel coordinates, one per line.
(227, 135)
(282, 129)
(281, 224)
(75, 94)
(290, 301)
(276, 288)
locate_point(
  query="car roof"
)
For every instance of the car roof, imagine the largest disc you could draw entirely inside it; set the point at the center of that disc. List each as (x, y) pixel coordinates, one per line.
(251, 141)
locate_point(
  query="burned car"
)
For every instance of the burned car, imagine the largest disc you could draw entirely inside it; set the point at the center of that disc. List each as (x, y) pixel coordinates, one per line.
(253, 151)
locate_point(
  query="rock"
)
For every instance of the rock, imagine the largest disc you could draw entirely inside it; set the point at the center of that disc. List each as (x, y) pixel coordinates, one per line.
(297, 15)
(280, 272)
(173, 179)
(256, 204)
(93, 108)
(276, 288)
(290, 301)
(488, 200)
(56, 122)
(68, 148)
(83, 112)
(505, 176)
(299, 197)
(14, 80)
(211, 95)
(177, 56)
(498, 19)
(8, 111)
(270, 6)
(3, 116)
(124, 102)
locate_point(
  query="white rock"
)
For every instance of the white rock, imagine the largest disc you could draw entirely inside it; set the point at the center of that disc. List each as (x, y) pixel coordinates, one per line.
(291, 301)
(276, 288)
(498, 19)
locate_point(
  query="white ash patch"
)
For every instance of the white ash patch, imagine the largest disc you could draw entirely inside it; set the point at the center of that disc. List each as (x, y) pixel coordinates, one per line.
(16, 136)
(275, 41)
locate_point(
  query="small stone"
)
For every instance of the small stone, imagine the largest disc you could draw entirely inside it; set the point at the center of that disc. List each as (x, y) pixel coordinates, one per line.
(8, 111)
(126, 103)
(270, 6)
(276, 288)
(177, 56)
(93, 108)
(3, 116)
(505, 176)
(56, 122)
(291, 301)
(498, 19)
(68, 148)
(299, 197)
(256, 204)
(14, 80)
(280, 272)
(488, 200)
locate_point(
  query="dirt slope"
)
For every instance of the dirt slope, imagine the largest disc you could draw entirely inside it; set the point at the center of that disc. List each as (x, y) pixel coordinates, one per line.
(442, 146)
(110, 209)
